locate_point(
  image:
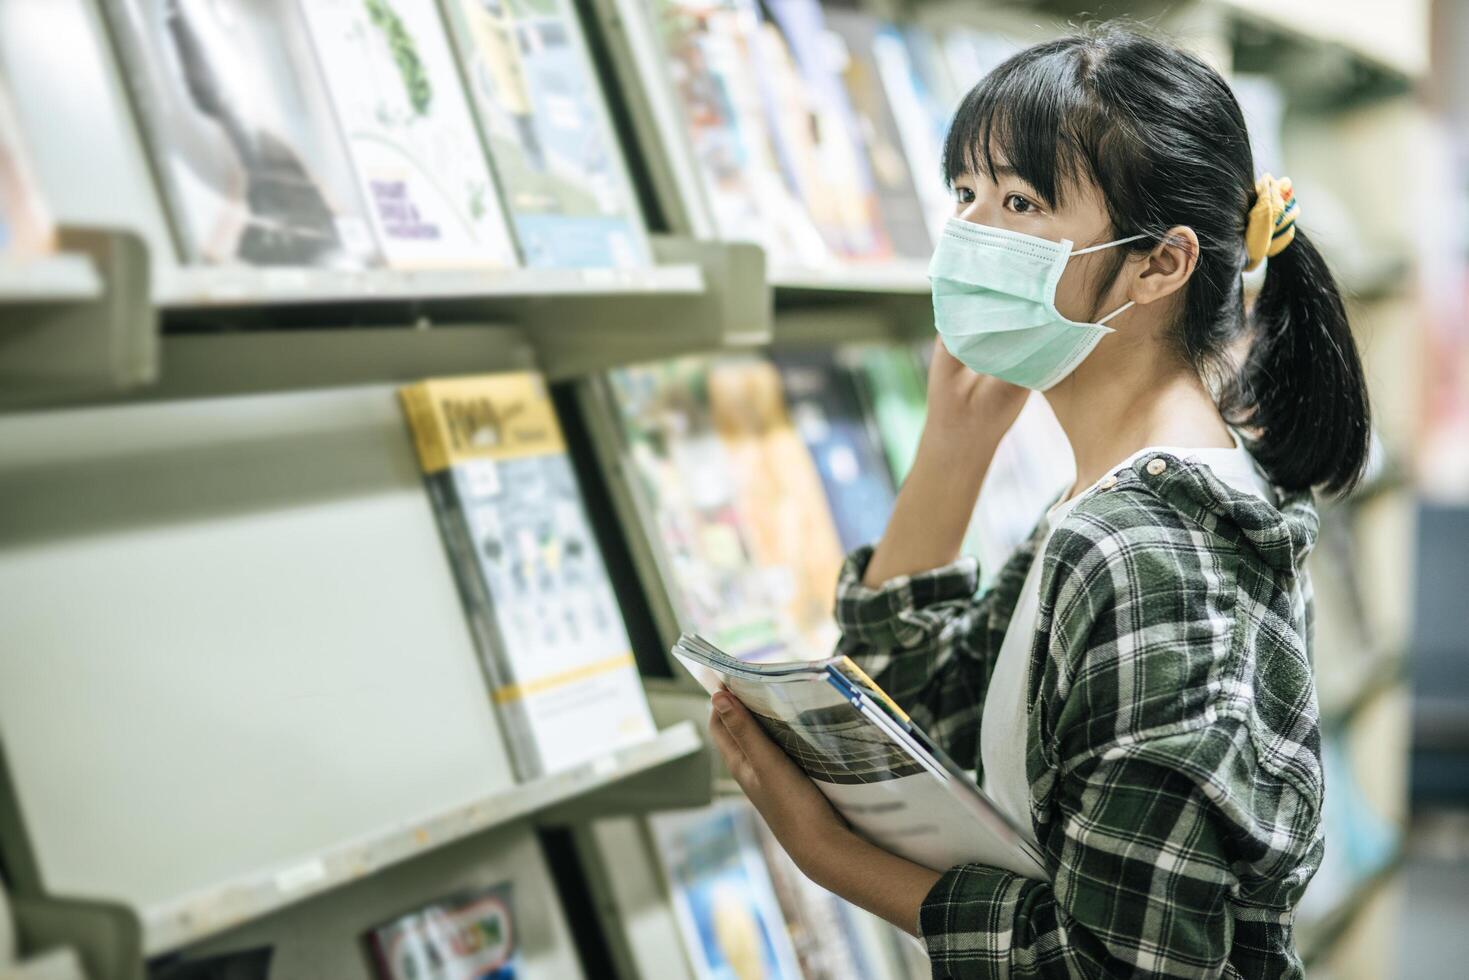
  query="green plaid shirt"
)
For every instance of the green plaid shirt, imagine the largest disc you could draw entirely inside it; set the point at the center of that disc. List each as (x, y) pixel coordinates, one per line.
(1173, 747)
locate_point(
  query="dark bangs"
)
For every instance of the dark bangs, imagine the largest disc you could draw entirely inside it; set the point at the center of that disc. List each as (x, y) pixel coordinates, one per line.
(1035, 116)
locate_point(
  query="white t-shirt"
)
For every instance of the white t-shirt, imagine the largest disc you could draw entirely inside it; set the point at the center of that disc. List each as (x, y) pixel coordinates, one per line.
(1003, 723)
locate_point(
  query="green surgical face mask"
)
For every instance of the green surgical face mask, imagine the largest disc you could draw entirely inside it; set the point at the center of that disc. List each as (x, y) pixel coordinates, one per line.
(994, 303)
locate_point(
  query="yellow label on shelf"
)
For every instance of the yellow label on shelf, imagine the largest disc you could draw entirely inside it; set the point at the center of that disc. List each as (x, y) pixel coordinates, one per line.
(489, 416)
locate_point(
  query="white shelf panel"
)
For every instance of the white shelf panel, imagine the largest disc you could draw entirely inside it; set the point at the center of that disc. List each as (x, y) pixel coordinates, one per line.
(903, 277)
(202, 286)
(168, 927)
(64, 278)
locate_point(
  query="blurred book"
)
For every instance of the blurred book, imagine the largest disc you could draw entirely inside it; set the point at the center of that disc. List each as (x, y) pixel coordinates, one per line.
(243, 133)
(972, 54)
(468, 936)
(548, 628)
(895, 391)
(402, 108)
(854, 38)
(818, 139)
(1031, 468)
(545, 121)
(683, 479)
(722, 895)
(923, 98)
(25, 222)
(711, 50)
(779, 496)
(826, 407)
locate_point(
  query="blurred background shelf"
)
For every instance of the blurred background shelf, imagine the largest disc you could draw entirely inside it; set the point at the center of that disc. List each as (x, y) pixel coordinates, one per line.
(49, 279)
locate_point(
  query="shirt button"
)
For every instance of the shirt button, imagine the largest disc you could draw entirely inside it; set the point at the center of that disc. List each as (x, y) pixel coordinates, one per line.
(1157, 466)
(1107, 482)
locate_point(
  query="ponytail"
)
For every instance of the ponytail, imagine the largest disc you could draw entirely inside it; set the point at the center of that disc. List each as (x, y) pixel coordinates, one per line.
(1301, 390)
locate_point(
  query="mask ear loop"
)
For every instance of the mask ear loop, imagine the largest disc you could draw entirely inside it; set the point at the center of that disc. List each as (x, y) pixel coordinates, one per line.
(1097, 248)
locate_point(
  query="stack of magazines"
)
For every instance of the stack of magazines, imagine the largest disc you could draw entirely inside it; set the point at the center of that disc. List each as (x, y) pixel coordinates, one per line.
(884, 775)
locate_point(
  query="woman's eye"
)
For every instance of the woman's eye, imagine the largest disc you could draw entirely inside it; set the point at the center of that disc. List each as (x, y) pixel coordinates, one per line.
(964, 195)
(1018, 204)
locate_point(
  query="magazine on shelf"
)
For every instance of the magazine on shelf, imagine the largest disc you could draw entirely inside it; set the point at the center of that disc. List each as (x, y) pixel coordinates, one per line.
(885, 776)
(818, 138)
(854, 40)
(25, 223)
(680, 476)
(723, 899)
(407, 123)
(468, 936)
(826, 408)
(712, 51)
(779, 496)
(243, 135)
(546, 124)
(548, 627)
(923, 100)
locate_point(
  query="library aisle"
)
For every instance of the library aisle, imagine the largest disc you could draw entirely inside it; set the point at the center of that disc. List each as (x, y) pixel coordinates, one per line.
(387, 387)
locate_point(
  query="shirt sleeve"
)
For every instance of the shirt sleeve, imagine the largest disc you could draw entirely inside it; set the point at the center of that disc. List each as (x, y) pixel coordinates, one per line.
(929, 641)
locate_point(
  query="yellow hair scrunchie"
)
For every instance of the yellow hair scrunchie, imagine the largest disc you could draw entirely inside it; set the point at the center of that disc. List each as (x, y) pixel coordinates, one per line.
(1272, 224)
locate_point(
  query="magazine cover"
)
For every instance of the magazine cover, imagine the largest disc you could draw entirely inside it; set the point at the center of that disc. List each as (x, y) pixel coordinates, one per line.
(712, 50)
(779, 497)
(916, 82)
(243, 135)
(687, 488)
(548, 625)
(818, 137)
(826, 408)
(853, 35)
(544, 119)
(407, 123)
(722, 895)
(469, 936)
(887, 778)
(25, 225)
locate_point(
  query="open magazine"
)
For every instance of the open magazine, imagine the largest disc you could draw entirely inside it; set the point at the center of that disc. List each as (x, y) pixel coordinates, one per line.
(882, 773)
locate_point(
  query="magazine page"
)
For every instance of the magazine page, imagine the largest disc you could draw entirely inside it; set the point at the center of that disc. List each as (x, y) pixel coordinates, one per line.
(243, 134)
(406, 120)
(722, 895)
(889, 788)
(544, 119)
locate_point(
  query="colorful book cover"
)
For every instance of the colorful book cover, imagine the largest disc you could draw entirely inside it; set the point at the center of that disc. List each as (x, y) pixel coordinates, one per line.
(818, 135)
(723, 899)
(779, 496)
(25, 224)
(244, 138)
(422, 170)
(469, 936)
(923, 101)
(826, 407)
(546, 125)
(712, 49)
(550, 633)
(687, 485)
(900, 205)
(896, 393)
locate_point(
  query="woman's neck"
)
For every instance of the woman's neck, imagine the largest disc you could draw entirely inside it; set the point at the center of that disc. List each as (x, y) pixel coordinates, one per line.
(1111, 410)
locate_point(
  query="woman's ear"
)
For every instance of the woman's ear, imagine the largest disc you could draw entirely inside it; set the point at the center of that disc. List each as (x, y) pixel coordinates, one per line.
(1167, 267)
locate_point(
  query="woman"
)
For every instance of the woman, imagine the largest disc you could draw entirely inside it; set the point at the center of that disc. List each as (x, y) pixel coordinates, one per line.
(1135, 687)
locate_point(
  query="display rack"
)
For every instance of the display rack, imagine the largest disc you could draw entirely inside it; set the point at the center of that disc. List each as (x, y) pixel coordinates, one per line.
(77, 324)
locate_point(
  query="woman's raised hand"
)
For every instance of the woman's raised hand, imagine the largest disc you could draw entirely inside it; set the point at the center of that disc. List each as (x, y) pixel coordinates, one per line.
(969, 407)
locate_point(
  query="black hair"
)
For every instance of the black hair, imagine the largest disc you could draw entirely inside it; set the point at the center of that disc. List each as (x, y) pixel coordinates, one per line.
(1161, 135)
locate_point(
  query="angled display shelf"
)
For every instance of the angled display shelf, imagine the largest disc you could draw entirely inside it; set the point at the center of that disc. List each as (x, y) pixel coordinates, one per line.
(77, 324)
(193, 917)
